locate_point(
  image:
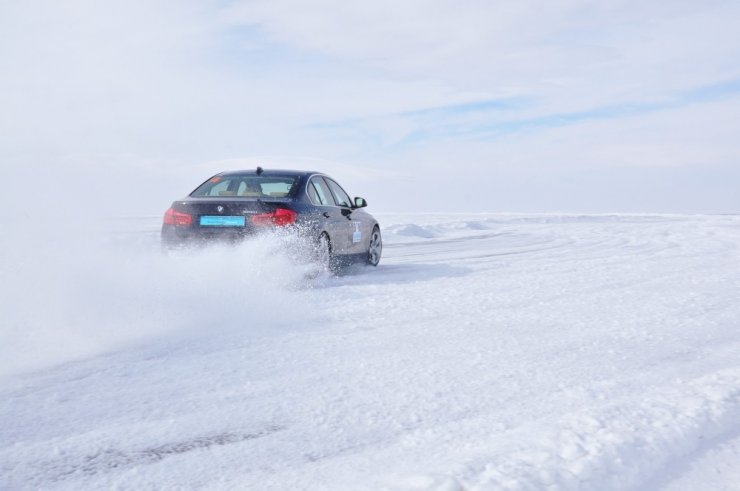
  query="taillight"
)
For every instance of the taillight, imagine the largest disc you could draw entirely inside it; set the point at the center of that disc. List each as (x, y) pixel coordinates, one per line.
(280, 217)
(172, 217)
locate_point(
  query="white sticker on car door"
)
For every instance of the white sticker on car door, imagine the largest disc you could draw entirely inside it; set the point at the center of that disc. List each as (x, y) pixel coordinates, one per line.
(357, 235)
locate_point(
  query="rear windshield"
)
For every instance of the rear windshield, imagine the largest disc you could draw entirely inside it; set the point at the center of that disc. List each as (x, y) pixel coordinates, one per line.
(249, 186)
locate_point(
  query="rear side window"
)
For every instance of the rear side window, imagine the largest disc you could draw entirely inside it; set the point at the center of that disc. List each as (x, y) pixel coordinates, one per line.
(319, 192)
(219, 188)
(341, 197)
(247, 186)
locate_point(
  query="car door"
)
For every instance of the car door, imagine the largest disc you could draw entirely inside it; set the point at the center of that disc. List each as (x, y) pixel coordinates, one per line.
(331, 214)
(357, 232)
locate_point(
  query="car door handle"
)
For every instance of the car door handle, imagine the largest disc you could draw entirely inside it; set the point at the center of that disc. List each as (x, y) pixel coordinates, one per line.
(326, 214)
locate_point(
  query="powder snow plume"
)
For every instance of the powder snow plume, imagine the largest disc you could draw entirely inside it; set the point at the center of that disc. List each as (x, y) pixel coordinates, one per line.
(65, 297)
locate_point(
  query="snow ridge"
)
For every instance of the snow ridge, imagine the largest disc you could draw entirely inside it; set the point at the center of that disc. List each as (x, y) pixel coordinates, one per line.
(620, 446)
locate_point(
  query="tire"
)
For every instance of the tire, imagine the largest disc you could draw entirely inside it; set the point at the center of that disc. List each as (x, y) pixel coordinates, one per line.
(375, 247)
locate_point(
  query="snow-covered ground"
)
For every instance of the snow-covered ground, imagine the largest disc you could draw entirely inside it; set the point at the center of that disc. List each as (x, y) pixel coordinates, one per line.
(485, 352)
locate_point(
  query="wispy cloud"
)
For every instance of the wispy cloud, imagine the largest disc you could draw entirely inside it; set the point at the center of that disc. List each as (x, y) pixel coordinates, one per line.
(492, 119)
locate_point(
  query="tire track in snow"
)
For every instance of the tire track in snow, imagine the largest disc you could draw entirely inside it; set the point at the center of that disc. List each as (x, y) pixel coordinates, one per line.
(114, 459)
(531, 239)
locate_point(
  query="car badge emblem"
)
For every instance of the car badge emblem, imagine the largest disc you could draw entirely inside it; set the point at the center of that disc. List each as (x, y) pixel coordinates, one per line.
(220, 209)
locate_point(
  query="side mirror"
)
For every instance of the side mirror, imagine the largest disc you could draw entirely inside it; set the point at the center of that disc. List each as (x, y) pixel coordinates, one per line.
(360, 203)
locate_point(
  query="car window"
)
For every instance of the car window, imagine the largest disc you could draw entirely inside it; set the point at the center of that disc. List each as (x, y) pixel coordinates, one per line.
(246, 186)
(340, 196)
(276, 189)
(218, 188)
(312, 194)
(322, 192)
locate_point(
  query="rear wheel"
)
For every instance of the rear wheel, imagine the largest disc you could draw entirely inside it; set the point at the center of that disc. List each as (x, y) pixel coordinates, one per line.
(375, 249)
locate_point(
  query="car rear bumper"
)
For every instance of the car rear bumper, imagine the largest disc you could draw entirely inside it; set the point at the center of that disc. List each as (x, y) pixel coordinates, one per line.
(174, 236)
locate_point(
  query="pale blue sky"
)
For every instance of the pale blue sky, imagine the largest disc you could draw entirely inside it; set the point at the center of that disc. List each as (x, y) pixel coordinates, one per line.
(449, 122)
(531, 106)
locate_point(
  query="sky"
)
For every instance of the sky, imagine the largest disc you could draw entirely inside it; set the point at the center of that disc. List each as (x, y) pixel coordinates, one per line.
(436, 105)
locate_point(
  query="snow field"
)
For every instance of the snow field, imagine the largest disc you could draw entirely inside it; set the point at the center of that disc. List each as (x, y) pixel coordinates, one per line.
(486, 352)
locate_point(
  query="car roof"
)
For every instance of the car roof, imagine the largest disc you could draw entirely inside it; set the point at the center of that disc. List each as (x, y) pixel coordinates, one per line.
(269, 172)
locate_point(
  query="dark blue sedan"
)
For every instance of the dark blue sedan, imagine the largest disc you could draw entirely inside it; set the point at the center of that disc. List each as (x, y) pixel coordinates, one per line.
(234, 205)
